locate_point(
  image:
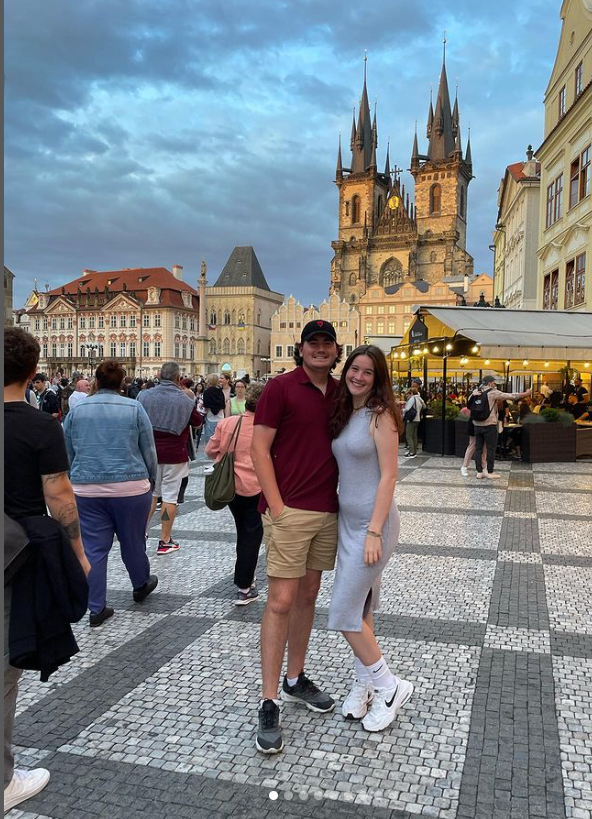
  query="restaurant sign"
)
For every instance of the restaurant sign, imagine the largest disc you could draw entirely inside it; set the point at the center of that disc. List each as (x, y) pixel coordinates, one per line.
(418, 331)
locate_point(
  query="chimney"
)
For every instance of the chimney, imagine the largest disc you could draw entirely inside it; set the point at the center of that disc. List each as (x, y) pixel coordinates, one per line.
(466, 283)
(178, 271)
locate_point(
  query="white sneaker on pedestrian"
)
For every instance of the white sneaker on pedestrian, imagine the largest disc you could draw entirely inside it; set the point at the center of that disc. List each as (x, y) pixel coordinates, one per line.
(355, 705)
(493, 476)
(464, 472)
(385, 705)
(480, 475)
(24, 785)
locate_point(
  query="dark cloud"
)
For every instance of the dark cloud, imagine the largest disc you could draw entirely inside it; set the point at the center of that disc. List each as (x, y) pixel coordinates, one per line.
(145, 133)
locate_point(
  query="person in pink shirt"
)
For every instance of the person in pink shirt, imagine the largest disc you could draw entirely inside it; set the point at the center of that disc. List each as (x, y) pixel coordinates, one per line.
(249, 528)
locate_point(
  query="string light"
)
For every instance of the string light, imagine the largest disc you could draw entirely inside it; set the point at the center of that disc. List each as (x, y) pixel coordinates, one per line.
(475, 349)
(416, 351)
(436, 349)
(425, 350)
(508, 363)
(487, 361)
(587, 364)
(464, 360)
(403, 355)
(449, 346)
(546, 363)
(525, 362)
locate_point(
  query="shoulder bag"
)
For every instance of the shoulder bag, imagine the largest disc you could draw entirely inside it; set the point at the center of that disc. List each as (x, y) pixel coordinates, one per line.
(219, 488)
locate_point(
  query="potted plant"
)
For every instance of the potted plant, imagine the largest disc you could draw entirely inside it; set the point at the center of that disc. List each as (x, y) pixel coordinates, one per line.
(435, 433)
(549, 437)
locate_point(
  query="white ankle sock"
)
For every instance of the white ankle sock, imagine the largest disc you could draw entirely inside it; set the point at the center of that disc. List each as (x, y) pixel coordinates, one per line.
(380, 674)
(361, 671)
(245, 591)
(292, 681)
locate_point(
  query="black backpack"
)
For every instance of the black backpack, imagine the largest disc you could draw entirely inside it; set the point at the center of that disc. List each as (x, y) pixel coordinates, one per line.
(478, 404)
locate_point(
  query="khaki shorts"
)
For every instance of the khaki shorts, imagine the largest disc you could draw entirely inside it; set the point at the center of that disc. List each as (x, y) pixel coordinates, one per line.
(298, 540)
(168, 481)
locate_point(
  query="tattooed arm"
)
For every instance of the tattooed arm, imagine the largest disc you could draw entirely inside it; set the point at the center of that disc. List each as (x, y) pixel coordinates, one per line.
(60, 500)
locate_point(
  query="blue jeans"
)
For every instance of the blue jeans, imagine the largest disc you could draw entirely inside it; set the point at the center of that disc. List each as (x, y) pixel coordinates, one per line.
(209, 427)
(100, 519)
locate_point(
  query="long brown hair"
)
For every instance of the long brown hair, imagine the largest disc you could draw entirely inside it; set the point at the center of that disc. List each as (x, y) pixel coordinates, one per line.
(381, 398)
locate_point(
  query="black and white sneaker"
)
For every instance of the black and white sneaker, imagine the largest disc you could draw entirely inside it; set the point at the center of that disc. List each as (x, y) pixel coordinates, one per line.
(410, 455)
(307, 693)
(269, 734)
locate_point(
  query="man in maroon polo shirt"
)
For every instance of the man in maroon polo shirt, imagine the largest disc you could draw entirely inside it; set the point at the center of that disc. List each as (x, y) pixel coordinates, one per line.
(292, 456)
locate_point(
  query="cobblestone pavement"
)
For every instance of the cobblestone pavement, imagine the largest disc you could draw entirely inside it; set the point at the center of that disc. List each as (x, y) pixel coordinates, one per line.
(486, 609)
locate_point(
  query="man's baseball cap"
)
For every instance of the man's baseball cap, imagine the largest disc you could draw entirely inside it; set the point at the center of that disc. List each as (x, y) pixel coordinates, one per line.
(318, 326)
(489, 379)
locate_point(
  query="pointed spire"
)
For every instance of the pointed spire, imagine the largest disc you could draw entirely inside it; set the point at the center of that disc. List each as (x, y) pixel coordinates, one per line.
(363, 140)
(415, 151)
(442, 137)
(339, 171)
(458, 145)
(430, 116)
(468, 156)
(353, 131)
(455, 115)
(387, 166)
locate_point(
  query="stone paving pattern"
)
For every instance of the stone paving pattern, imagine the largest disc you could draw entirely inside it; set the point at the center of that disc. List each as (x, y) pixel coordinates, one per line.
(485, 608)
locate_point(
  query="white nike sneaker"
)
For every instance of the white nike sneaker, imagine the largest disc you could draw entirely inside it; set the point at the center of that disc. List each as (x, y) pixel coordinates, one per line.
(464, 472)
(24, 785)
(355, 705)
(385, 705)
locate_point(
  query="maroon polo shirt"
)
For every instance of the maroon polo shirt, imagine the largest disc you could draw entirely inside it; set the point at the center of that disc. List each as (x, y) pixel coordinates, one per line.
(305, 469)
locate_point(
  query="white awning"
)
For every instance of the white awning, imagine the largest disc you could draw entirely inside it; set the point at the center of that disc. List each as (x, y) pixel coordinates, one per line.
(501, 333)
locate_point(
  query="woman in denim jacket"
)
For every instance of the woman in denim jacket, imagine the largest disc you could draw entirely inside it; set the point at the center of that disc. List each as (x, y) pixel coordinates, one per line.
(112, 463)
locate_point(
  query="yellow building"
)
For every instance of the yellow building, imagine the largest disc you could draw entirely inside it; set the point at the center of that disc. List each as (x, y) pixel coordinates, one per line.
(565, 212)
(288, 321)
(142, 316)
(8, 287)
(239, 307)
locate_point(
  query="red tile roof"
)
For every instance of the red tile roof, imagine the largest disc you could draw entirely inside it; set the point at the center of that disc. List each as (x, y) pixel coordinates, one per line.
(138, 279)
(517, 170)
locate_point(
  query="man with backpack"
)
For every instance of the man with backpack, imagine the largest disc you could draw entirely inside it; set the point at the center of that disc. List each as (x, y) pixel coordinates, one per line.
(412, 416)
(482, 404)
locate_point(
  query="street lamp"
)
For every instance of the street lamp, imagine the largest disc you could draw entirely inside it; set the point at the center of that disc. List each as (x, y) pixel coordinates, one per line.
(92, 348)
(266, 361)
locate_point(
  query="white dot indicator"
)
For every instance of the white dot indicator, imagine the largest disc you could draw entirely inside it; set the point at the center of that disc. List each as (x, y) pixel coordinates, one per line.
(273, 795)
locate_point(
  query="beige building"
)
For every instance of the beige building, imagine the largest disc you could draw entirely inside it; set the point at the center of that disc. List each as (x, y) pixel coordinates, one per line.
(383, 237)
(8, 286)
(239, 310)
(142, 316)
(516, 235)
(287, 323)
(565, 212)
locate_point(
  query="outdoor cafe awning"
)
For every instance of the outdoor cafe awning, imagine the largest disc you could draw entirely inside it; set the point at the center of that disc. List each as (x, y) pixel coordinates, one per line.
(512, 334)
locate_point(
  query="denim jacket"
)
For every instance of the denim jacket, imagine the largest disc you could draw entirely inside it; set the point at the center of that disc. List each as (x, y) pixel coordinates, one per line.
(109, 440)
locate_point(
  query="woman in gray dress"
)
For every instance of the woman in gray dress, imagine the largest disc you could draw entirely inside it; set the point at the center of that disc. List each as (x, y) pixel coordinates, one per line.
(365, 426)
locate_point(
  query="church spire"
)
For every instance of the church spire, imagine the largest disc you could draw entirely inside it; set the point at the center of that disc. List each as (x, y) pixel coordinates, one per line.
(339, 171)
(415, 152)
(387, 167)
(353, 132)
(468, 156)
(363, 142)
(441, 136)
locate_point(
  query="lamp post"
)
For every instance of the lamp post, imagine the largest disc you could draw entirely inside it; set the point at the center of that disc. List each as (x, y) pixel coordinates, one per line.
(266, 361)
(92, 348)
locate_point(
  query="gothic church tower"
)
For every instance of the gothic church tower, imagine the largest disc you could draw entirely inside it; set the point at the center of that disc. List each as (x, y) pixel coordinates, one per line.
(383, 237)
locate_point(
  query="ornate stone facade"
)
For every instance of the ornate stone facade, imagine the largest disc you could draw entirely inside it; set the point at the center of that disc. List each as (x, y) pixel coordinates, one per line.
(385, 239)
(142, 316)
(288, 321)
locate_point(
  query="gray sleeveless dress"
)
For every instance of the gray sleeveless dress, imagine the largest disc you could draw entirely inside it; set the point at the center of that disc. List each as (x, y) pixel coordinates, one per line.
(356, 590)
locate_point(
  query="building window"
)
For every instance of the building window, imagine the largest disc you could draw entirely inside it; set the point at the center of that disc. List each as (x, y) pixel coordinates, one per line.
(580, 286)
(45, 351)
(380, 328)
(355, 210)
(192, 323)
(554, 290)
(369, 310)
(91, 322)
(157, 319)
(54, 324)
(54, 350)
(183, 351)
(70, 348)
(579, 178)
(176, 349)
(279, 351)
(133, 349)
(146, 320)
(101, 324)
(435, 199)
(349, 349)
(213, 318)
(177, 321)
(226, 317)
(558, 203)
(282, 325)
(133, 320)
(38, 324)
(343, 323)
(561, 102)
(392, 328)
(550, 199)
(113, 321)
(213, 346)
(157, 349)
(82, 350)
(122, 349)
(392, 308)
(70, 323)
(146, 349)
(579, 80)
(62, 323)
(184, 322)
(226, 346)
(240, 346)
(113, 349)
(570, 277)
(289, 351)
(123, 321)
(192, 352)
(380, 308)
(369, 327)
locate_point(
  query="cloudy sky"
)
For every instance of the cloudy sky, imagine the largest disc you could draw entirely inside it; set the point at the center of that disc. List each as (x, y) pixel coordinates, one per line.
(161, 132)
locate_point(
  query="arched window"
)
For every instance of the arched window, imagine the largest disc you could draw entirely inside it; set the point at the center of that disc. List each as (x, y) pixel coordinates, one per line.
(226, 346)
(233, 347)
(234, 316)
(352, 279)
(213, 318)
(240, 346)
(213, 346)
(379, 207)
(226, 317)
(258, 346)
(391, 273)
(435, 199)
(462, 202)
(241, 317)
(355, 210)
(433, 256)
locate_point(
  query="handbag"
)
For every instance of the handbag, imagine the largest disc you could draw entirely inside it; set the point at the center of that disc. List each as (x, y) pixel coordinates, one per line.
(219, 488)
(410, 414)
